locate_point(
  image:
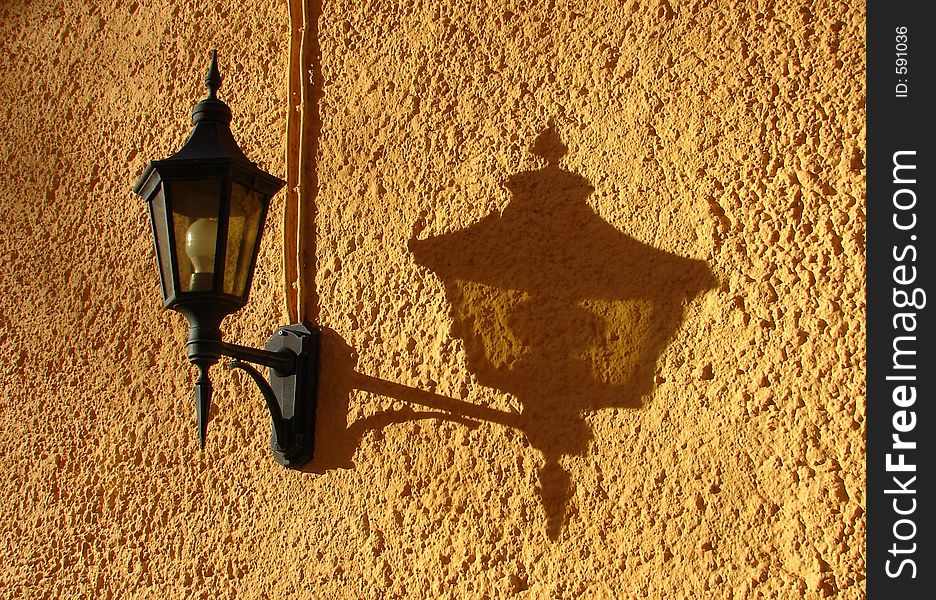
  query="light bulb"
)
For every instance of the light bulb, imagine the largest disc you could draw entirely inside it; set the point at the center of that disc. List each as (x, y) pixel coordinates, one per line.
(200, 241)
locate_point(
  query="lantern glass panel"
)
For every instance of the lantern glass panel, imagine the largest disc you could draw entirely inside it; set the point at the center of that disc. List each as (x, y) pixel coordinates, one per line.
(195, 205)
(243, 230)
(157, 208)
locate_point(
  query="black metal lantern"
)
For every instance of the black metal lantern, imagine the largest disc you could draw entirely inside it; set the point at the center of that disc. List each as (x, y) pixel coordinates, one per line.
(207, 205)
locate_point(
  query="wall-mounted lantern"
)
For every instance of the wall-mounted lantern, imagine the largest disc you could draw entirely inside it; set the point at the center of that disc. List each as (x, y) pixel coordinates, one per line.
(207, 205)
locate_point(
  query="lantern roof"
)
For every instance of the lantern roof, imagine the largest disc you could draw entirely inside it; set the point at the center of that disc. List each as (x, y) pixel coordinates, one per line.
(210, 144)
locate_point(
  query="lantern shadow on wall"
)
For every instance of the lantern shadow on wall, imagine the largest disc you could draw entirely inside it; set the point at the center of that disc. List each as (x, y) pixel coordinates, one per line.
(554, 306)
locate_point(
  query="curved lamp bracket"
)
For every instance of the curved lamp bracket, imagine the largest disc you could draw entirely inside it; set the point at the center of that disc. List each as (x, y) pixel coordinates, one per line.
(291, 394)
(276, 415)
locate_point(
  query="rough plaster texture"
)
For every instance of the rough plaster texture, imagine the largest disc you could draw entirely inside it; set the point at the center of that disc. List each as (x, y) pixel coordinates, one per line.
(592, 278)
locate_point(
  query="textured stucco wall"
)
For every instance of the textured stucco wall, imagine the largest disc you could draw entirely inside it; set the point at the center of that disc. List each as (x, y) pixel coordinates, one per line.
(592, 278)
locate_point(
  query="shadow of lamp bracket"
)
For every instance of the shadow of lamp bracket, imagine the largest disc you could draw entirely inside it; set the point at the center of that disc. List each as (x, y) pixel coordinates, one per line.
(207, 204)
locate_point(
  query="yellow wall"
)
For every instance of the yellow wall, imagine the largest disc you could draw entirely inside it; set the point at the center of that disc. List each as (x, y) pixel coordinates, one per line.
(591, 275)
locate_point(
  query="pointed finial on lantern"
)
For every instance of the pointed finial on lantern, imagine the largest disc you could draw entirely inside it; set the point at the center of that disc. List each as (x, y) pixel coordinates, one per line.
(213, 78)
(211, 108)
